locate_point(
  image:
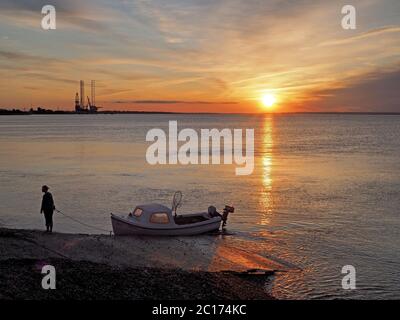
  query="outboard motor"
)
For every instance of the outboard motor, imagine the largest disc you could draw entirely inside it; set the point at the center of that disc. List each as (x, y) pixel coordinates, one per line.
(227, 210)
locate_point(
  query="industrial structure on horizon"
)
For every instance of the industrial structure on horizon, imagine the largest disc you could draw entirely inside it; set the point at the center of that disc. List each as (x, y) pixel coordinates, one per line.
(90, 107)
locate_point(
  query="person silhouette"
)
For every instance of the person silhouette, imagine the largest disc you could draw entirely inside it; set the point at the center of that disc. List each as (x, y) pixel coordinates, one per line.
(48, 208)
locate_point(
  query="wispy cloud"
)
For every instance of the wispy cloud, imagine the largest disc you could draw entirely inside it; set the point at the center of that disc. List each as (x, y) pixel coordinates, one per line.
(72, 14)
(364, 35)
(25, 57)
(170, 102)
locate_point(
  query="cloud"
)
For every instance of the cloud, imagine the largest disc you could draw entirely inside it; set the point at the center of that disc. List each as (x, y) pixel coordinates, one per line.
(374, 92)
(170, 102)
(23, 57)
(195, 53)
(367, 34)
(70, 14)
(47, 77)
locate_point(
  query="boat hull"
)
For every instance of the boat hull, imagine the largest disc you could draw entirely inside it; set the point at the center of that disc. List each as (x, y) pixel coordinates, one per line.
(123, 227)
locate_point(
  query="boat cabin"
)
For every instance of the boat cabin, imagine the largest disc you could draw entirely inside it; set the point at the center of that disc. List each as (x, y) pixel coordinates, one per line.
(159, 214)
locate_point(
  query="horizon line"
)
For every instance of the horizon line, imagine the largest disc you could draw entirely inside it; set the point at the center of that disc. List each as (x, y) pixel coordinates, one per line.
(50, 111)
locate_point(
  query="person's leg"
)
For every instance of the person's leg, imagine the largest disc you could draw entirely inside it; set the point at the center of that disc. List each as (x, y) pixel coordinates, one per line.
(51, 222)
(46, 216)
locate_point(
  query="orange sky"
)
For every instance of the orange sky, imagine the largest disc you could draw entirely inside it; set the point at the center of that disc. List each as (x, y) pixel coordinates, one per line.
(202, 56)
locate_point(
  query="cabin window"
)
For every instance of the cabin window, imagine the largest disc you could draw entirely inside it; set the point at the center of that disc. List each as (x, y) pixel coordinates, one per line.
(138, 212)
(160, 217)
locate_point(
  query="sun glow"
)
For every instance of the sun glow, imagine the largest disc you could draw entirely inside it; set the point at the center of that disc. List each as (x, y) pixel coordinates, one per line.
(268, 100)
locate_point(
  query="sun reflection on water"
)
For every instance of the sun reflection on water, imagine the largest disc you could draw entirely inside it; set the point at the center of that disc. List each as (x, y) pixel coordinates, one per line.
(266, 201)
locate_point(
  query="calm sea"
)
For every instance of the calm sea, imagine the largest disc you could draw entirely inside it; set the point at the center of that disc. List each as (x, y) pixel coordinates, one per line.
(325, 191)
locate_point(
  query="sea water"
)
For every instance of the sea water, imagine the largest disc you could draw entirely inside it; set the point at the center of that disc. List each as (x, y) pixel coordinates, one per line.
(325, 191)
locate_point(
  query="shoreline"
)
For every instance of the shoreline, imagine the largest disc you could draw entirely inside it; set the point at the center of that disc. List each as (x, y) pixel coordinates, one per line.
(99, 267)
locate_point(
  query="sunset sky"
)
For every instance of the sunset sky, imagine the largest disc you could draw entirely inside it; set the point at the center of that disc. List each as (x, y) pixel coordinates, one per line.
(202, 55)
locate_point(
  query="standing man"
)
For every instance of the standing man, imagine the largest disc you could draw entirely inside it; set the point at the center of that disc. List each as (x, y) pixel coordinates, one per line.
(48, 208)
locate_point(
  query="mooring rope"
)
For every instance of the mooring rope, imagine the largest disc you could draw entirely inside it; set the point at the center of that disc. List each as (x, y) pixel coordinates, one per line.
(82, 223)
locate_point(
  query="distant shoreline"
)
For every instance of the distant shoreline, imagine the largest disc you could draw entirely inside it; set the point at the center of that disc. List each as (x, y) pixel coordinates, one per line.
(51, 112)
(5, 112)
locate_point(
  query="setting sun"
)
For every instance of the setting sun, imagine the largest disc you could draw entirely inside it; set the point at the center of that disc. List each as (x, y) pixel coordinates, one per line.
(268, 100)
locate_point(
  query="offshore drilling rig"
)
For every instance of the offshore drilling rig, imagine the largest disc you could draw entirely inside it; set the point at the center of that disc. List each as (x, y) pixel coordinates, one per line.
(80, 105)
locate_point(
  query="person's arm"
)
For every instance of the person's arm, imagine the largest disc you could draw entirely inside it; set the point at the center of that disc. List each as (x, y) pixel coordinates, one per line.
(52, 202)
(41, 208)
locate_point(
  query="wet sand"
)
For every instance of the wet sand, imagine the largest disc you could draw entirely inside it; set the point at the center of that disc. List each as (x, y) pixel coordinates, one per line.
(105, 267)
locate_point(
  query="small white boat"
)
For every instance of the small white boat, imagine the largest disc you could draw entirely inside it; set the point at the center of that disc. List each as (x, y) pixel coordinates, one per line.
(159, 220)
